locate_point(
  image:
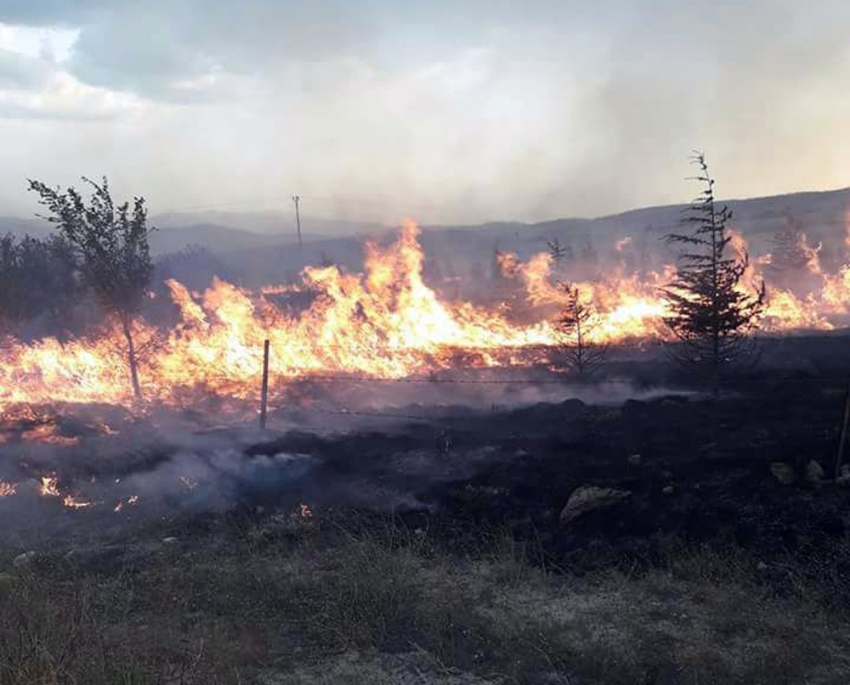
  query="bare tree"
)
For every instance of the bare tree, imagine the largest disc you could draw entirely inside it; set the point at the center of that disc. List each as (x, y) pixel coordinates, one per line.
(712, 312)
(113, 254)
(575, 325)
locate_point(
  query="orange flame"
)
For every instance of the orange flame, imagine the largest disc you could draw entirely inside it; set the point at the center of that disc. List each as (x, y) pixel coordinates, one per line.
(131, 501)
(75, 502)
(385, 322)
(49, 486)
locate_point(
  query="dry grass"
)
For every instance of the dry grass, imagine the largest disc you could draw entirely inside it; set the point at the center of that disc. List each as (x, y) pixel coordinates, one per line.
(383, 606)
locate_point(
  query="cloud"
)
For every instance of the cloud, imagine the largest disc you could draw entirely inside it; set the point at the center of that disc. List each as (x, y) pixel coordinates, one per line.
(33, 87)
(20, 72)
(55, 12)
(155, 48)
(445, 110)
(65, 99)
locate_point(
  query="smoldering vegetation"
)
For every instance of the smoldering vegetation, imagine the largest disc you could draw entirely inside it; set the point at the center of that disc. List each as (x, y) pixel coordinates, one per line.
(338, 442)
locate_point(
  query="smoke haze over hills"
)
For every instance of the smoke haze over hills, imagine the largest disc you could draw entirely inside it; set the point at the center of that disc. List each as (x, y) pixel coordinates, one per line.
(445, 111)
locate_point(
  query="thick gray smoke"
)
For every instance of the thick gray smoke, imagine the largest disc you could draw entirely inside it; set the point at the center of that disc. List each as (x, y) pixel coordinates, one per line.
(321, 454)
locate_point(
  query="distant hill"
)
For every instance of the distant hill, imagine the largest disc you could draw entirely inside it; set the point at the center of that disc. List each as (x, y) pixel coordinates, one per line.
(280, 224)
(165, 240)
(37, 228)
(211, 236)
(262, 244)
(468, 249)
(230, 232)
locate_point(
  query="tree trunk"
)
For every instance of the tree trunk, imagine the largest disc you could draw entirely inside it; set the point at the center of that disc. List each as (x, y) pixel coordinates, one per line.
(715, 366)
(131, 358)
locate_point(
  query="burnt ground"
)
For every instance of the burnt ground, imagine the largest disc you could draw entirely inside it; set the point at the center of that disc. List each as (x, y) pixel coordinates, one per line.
(697, 471)
(435, 550)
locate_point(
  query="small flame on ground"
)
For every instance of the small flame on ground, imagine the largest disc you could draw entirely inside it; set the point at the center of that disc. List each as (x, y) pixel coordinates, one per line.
(49, 487)
(8, 489)
(131, 501)
(76, 503)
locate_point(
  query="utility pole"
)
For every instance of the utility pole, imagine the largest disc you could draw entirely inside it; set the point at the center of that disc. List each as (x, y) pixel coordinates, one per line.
(296, 199)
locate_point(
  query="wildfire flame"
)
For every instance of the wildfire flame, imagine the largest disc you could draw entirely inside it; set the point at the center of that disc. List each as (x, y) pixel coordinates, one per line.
(76, 503)
(131, 501)
(385, 322)
(49, 487)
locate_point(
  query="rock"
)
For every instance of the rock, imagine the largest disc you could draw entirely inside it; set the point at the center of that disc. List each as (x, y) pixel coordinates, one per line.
(668, 490)
(169, 541)
(635, 460)
(814, 474)
(783, 472)
(590, 498)
(762, 567)
(25, 560)
(667, 475)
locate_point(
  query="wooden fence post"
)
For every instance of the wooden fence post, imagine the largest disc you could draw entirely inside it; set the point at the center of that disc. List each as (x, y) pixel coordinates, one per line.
(264, 398)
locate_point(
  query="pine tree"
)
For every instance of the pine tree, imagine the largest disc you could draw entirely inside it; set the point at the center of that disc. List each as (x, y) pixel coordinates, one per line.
(712, 314)
(575, 324)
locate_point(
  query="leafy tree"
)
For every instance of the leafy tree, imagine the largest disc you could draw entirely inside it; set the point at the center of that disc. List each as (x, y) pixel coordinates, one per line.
(712, 312)
(49, 278)
(37, 280)
(575, 324)
(111, 244)
(10, 286)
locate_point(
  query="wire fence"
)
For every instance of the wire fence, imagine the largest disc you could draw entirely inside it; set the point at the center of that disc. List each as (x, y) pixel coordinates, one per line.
(825, 381)
(354, 413)
(563, 380)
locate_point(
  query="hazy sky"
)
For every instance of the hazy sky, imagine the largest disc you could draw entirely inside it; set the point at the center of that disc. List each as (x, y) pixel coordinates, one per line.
(445, 110)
